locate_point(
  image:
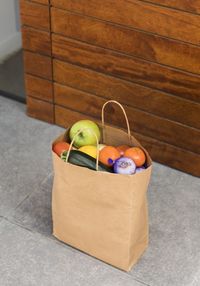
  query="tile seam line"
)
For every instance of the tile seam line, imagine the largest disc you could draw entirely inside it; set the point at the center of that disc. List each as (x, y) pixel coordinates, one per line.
(27, 196)
(50, 238)
(138, 280)
(69, 247)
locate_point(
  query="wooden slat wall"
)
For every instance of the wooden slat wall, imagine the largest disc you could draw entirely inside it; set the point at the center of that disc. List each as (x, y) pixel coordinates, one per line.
(143, 72)
(36, 41)
(39, 88)
(36, 36)
(140, 75)
(145, 54)
(142, 53)
(192, 6)
(35, 15)
(139, 15)
(129, 41)
(143, 122)
(45, 2)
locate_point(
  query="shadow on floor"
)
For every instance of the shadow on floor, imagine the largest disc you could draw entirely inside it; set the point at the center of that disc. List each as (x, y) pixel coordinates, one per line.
(12, 77)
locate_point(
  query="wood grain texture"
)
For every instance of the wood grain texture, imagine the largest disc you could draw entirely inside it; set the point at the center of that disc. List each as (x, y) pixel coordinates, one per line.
(146, 99)
(36, 41)
(161, 152)
(39, 88)
(148, 124)
(185, 26)
(142, 53)
(34, 15)
(185, 5)
(38, 65)
(129, 68)
(174, 157)
(45, 2)
(133, 42)
(40, 109)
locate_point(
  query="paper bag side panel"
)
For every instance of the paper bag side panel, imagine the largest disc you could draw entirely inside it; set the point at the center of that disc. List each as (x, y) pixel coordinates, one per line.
(139, 217)
(90, 212)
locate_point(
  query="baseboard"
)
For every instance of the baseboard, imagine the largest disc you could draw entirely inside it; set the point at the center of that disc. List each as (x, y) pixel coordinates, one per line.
(10, 46)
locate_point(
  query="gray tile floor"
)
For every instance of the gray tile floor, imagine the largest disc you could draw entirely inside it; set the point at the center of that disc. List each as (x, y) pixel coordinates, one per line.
(29, 255)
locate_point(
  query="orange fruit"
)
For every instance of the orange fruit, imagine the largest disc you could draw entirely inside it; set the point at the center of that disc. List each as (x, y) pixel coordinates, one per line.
(108, 155)
(137, 155)
(122, 149)
(60, 147)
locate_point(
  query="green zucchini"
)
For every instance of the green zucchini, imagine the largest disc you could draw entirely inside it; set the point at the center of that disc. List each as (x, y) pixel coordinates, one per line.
(84, 160)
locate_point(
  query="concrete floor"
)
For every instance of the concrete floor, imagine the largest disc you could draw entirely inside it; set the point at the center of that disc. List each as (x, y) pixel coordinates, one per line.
(29, 255)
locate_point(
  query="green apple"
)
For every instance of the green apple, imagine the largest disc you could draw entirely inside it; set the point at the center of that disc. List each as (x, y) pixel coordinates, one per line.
(86, 137)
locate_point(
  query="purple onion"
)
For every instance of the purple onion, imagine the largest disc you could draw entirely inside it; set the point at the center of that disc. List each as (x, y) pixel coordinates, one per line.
(125, 166)
(139, 169)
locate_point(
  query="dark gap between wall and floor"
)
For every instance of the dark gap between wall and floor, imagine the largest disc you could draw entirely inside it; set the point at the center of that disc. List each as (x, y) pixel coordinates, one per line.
(12, 77)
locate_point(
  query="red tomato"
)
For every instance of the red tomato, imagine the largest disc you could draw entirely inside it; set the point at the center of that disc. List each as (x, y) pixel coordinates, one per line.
(60, 147)
(137, 155)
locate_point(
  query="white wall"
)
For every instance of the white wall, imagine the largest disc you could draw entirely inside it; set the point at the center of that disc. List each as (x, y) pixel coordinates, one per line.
(10, 37)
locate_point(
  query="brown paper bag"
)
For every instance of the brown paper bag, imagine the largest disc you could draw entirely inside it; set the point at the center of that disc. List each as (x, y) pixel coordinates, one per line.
(103, 214)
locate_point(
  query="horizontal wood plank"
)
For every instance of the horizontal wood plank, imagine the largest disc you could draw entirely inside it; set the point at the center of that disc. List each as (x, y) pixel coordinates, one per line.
(127, 93)
(34, 15)
(185, 5)
(129, 68)
(159, 151)
(172, 156)
(133, 42)
(36, 40)
(38, 65)
(40, 109)
(148, 124)
(45, 2)
(39, 88)
(184, 26)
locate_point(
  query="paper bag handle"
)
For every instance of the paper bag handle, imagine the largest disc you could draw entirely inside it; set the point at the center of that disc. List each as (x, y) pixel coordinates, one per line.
(72, 142)
(125, 115)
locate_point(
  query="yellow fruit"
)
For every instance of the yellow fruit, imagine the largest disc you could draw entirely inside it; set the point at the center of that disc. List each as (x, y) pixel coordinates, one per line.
(90, 150)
